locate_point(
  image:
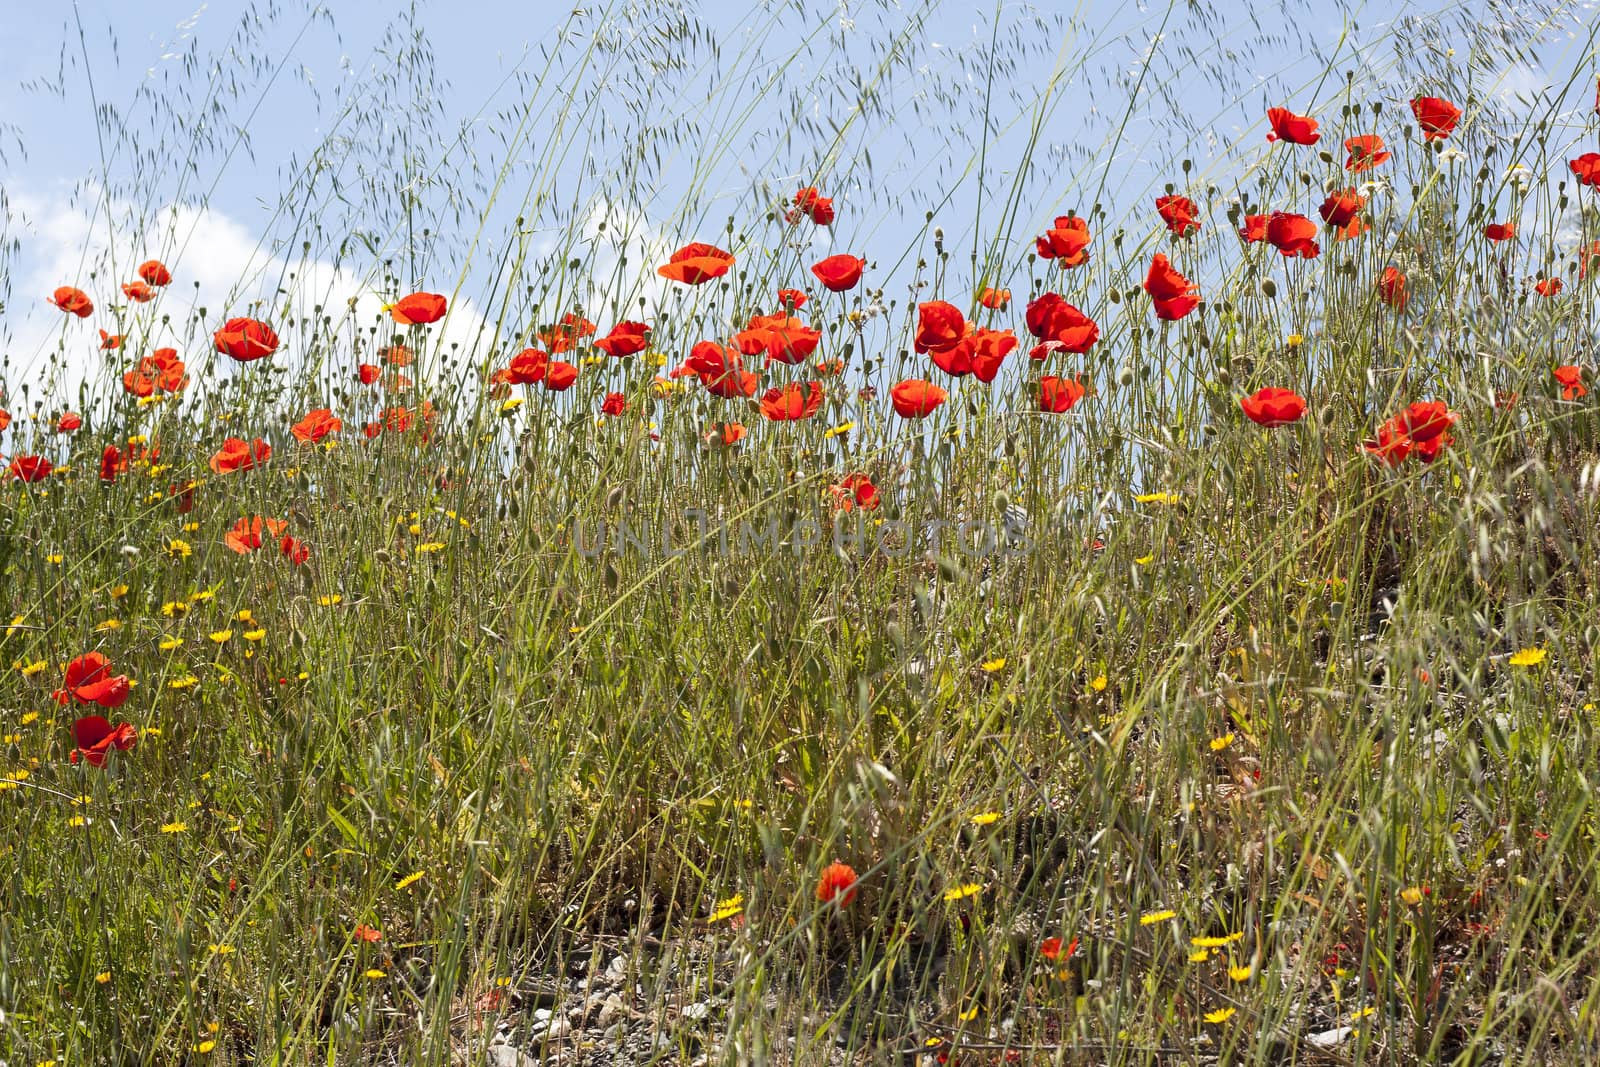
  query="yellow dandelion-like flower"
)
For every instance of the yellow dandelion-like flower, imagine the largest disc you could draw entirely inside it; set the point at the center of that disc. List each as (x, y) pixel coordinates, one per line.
(1220, 743)
(29, 717)
(375, 974)
(1294, 340)
(1145, 561)
(1157, 498)
(1150, 918)
(1528, 657)
(1241, 972)
(329, 601)
(175, 609)
(1221, 1015)
(254, 635)
(963, 891)
(409, 880)
(727, 909)
(118, 592)
(108, 626)
(191, 527)
(169, 643)
(201, 594)
(511, 405)
(1099, 683)
(55, 559)
(179, 549)
(1200, 955)
(245, 615)
(985, 818)
(415, 529)
(188, 681)
(836, 431)
(223, 949)
(30, 669)
(221, 637)
(997, 664)
(205, 1046)
(103, 977)
(430, 546)
(1216, 942)
(969, 1015)
(174, 827)
(16, 621)
(1412, 895)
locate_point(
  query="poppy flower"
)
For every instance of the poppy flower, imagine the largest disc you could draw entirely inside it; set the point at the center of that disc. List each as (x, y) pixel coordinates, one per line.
(727, 434)
(1052, 949)
(783, 338)
(317, 424)
(797, 400)
(5, 419)
(69, 421)
(940, 325)
(367, 373)
(614, 404)
(1588, 257)
(793, 299)
(625, 339)
(696, 263)
(837, 884)
(1295, 129)
(1587, 168)
(1436, 116)
(840, 273)
(139, 292)
(915, 398)
(564, 335)
(237, 455)
(527, 367)
(1392, 288)
(811, 204)
(95, 737)
(560, 376)
(1548, 286)
(110, 342)
(89, 681)
(994, 299)
(720, 371)
(1500, 231)
(112, 463)
(1570, 379)
(1425, 420)
(182, 497)
(989, 350)
(1179, 213)
(1173, 294)
(154, 272)
(1050, 318)
(1391, 446)
(1067, 241)
(396, 356)
(161, 370)
(1365, 152)
(1057, 396)
(1273, 407)
(246, 339)
(1254, 230)
(1292, 235)
(73, 301)
(855, 491)
(418, 309)
(247, 535)
(296, 550)
(1341, 206)
(30, 468)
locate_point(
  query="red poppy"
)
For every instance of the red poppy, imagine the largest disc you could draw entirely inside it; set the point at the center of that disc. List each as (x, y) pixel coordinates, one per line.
(915, 398)
(247, 535)
(811, 204)
(5, 419)
(625, 339)
(720, 371)
(696, 263)
(1392, 288)
(95, 737)
(237, 455)
(1341, 207)
(614, 404)
(110, 342)
(418, 309)
(295, 549)
(989, 350)
(1588, 257)
(994, 299)
(89, 681)
(1425, 420)
(1436, 116)
(139, 292)
(367, 373)
(246, 339)
(940, 325)
(565, 335)
(1500, 231)
(855, 491)
(1273, 407)
(783, 338)
(1366, 152)
(793, 299)
(1179, 213)
(1587, 168)
(1292, 235)
(366, 933)
(30, 468)
(1066, 241)
(1059, 395)
(1548, 286)
(1254, 230)
(560, 376)
(1295, 129)
(1050, 318)
(727, 434)
(73, 301)
(1570, 378)
(161, 370)
(837, 884)
(1173, 294)
(112, 463)
(527, 367)
(840, 273)
(154, 272)
(182, 497)
(1053, 950)
(69, 421)
(396, 356)
(1391, 446)
(317, 424)
(797, 400)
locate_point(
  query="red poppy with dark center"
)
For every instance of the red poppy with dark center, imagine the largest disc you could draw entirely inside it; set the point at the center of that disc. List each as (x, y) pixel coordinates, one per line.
(96, 737)
(1425, 420)
(560, 376)
(73, 301)
(1174, 295)
(837, 884)
(840, 273)
(1570, 378)
(1392, 288)
(727, 434)
(295, 550)
(1179, 213)
(793, 299)
(526, 368)
(1273, 407)
(1341, 207)
(797, 400)
(1295, 129)
(625, 339)
(783, 338)
(696, 263)
(1053, 950)
(139, 292)
(994, 299)
(1292, 235)
(1254, 230)
(246, 339)
(238, 455)
(112, 463)
(68, 422)
(154, 272)
(565, 335)
(940, 325)
(1058, 396)
(251, 533)
(1587, 168)
(89, 681)
(317, 424)
(1548, 286)
(721, 372)
(30, 468)
(418, 309)
(989, 350)
(915, 398)
(614, 404)
(1365, 152)
(367, 373)
(1067, 241)
(162, 371)
(855, 491)
(813, 205)
(1500, 231)
(1391, 446)
(1436, 116)
(1051, 318)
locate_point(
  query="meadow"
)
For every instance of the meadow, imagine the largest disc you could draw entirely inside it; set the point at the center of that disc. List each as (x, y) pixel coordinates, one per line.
(960, 606)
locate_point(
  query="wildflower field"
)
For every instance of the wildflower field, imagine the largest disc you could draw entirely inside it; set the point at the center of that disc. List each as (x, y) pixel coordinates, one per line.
(822, 534)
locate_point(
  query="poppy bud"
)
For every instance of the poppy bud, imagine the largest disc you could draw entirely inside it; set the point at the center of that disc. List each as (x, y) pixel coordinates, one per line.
(1125, 376)
(1269, 288)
